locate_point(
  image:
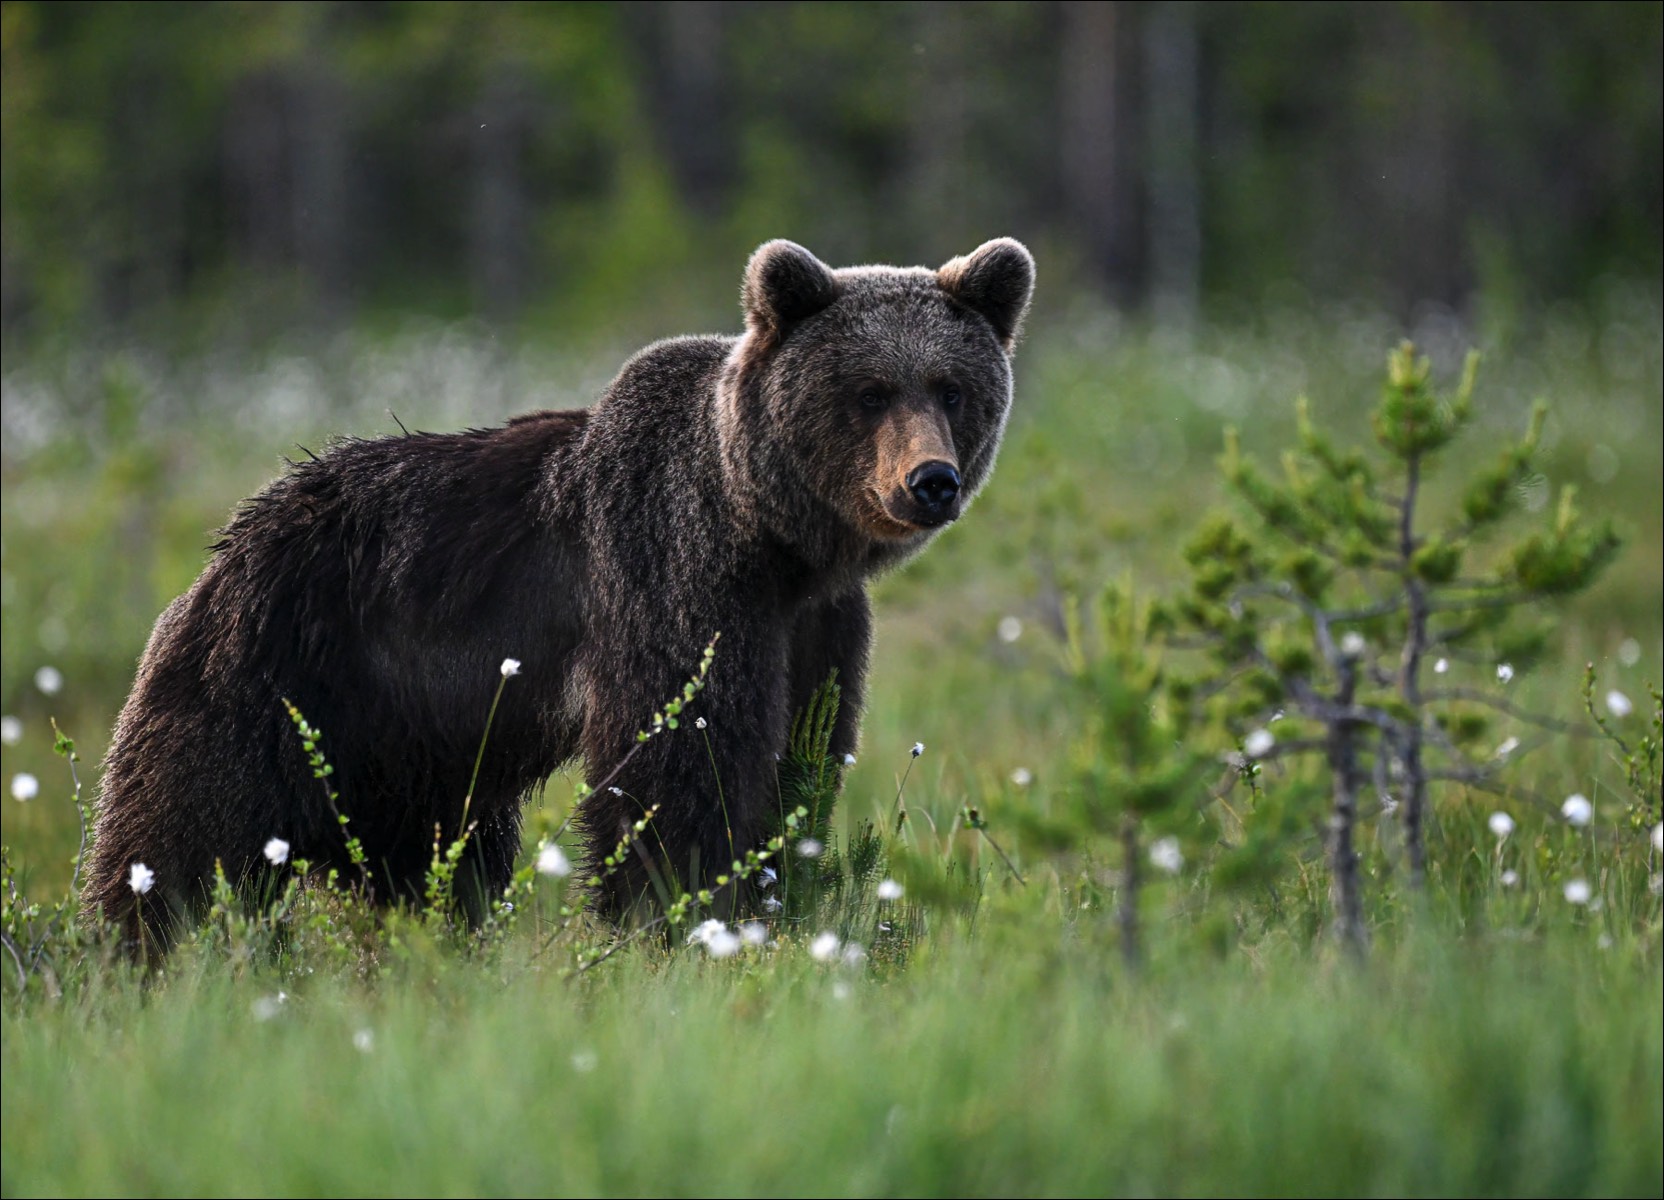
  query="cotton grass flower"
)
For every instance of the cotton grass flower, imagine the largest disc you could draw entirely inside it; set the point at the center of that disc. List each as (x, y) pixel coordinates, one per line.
(849, 760)
(918, 749)
(854, 955)
(140, 878)
(364, 1041)
(1578, 891)
(705, 931)
(49, 680)
(825, 947)
(1022, 777)
(1629, 652)
(1504, 672)
(890, 890)
(1440, 667)
(1658, 837)
(1510, 878)
(585, 1061)
(268, 1007)
(1577, 810)
(25, 787)
(1508, 746)
(510, 668)
(754, 933)
(724, 943)
(767, 878)
(1166, 855)
(1258, 744)
(810, 848)
(276, 852)
(552, 861)
(1353, 644)
(699, 722)
(1010, 629)
(11, 731)
(1501, 825)
(1618, 704)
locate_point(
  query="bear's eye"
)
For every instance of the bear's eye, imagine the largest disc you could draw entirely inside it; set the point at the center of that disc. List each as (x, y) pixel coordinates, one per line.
(950, 396)
(872, 398)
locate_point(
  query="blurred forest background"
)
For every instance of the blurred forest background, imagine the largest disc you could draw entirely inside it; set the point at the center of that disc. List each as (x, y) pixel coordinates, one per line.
(233, 167)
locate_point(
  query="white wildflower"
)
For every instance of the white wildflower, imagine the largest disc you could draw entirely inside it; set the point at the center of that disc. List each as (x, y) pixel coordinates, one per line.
(918, 749)
(1510, 877)
(854, 954)
(1508, 746)
(267, 1007)
(1276, 716)
(1389, 804)
(1577, 810)
(705, 931)
(1629, 652)
(617, 791)
(890, 890)
(141, 878)
(1501, 824)
(841, 990)
(1658, 837)
(510, 668)
(810, 848)
(1022, 777)
(1258, 744)
(1440, 667)
(1504, 672)
(767, 878)
(772, 904)
(1353, 644)
(25, 786)
(276, 852)
(724, 943)
(754, 933)
(825, 947)
(699, 722)
(11, 731)
(552, 861)
(849, 760)
(1166, 855)
(585, 1061)
(1578, 891)
(1618, 704)
(1011, 628)
(364, 1041)
(49, 680)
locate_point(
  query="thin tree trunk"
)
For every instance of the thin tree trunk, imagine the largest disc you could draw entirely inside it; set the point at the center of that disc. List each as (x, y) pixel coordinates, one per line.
(1343, 819)
(1092, 191)
(1409, 684)
(1132, 952)
(1171, 156)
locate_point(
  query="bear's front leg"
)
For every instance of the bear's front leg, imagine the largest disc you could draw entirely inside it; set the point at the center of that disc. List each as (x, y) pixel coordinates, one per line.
(833, 635)
(713, 785)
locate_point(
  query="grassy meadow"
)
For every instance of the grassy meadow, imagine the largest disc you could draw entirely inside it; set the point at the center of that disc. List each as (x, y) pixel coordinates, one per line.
(982, 1033)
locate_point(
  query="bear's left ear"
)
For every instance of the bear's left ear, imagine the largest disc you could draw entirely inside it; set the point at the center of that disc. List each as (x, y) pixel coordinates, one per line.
(784, 283)
(997, 280)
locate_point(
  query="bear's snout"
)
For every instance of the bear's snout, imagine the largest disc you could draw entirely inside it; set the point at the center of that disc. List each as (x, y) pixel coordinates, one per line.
(934, 487)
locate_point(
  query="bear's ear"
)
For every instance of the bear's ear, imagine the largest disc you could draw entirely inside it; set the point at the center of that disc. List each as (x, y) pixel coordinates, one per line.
(997, 280)
(784, 283)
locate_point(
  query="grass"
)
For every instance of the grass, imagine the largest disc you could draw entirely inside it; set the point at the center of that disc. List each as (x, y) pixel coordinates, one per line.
(1500, 1039)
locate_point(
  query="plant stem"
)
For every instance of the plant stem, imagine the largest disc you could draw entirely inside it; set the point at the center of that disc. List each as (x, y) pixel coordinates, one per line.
(1127, 913)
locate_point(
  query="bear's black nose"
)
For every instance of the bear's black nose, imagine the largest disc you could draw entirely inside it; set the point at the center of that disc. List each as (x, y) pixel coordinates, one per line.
(934, 486)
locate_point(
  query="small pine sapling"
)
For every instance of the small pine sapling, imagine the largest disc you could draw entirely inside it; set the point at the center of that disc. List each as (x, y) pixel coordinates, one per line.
(1339, 593)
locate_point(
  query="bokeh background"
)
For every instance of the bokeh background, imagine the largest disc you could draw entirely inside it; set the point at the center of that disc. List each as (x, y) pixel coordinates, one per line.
(232, 228)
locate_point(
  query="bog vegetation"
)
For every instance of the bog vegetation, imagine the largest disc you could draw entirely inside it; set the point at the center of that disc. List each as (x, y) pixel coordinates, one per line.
(1298, 832)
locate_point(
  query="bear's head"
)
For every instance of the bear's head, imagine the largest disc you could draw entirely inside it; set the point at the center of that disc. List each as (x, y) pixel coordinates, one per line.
(863, 408)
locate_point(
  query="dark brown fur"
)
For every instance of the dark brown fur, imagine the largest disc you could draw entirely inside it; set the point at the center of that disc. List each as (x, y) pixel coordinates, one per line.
(720, 484)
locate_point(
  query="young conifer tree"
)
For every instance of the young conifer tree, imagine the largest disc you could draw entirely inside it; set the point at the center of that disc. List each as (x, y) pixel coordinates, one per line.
(1383, 629)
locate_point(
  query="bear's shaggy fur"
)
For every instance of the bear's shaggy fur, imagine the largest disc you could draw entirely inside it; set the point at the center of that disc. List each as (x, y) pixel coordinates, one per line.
(745, 485)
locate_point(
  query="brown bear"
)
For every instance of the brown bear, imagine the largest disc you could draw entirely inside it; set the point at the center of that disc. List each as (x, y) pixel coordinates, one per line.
(748, 486)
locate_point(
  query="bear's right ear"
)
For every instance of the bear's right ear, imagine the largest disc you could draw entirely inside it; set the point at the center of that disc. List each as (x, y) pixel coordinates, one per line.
(784, 283)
